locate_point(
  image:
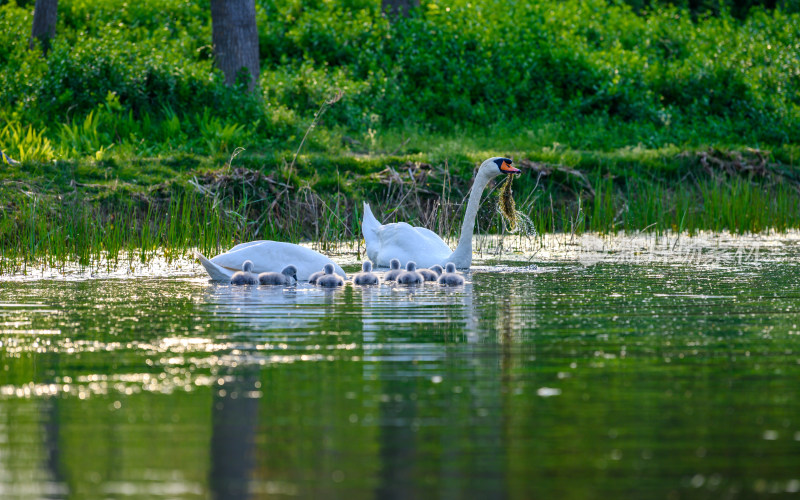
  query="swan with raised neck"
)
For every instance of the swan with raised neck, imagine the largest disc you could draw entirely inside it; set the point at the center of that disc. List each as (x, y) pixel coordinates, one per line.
(266, 256)
(406, 243)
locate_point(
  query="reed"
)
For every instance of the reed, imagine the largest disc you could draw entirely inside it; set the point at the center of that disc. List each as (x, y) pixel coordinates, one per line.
(738, 205)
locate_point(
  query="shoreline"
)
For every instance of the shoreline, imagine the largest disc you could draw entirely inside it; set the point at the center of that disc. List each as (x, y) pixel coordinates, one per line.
(73, 211)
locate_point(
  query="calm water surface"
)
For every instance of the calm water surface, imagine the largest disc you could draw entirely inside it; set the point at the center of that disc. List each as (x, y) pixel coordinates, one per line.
(599, 377)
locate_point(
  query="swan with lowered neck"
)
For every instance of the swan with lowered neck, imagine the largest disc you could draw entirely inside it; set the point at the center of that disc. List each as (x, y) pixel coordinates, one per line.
(266, 256)
(405, 242)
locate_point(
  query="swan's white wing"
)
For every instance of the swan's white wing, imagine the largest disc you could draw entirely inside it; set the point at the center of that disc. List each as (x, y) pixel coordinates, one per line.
(246, 244)
(216, 272)
(401, 241)
(430, 235)
(404, 242)
(274, 256)
(369, 229)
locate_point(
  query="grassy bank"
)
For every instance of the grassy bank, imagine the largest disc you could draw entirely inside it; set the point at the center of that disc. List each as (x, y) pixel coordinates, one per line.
(62, 212)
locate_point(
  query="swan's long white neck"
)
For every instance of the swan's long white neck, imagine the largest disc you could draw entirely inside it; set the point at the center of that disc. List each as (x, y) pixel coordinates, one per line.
(462, 256)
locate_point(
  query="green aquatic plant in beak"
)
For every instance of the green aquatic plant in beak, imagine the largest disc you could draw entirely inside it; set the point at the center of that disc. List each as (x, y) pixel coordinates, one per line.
(506, 205)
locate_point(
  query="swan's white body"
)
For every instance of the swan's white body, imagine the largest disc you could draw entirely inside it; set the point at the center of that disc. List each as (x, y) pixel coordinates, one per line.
(267, 256)
(405, 242)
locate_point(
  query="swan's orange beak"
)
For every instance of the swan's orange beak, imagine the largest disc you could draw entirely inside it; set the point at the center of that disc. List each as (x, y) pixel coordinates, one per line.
(508, 169)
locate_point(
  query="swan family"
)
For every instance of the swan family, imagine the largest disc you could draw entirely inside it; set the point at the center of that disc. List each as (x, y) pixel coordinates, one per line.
(398, 245)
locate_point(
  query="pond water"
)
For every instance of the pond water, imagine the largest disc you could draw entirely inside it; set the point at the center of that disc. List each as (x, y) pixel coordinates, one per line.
(620, 368)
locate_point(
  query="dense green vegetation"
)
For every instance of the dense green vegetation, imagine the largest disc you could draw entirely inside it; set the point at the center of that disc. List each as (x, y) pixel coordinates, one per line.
(737, 8)
(127, 111)
(139, 77)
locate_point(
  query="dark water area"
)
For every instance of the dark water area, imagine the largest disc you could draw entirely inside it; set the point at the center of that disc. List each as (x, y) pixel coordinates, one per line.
(607, 379)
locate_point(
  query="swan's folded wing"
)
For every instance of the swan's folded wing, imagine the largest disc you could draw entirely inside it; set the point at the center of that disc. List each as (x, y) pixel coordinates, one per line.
(369, 229)
(216, 272)
(433, 239)
(246, 244)
(404, 242)
(412, 238)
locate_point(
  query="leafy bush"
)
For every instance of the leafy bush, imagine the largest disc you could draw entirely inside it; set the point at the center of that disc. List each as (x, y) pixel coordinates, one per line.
(470, 62)
(142, 73)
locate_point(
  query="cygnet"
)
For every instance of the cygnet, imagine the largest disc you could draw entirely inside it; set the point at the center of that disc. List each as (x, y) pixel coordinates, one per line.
(366, 276)
(286, 277)
(329, 279)
(394, 270)
(410, 276)
(245, 276)
(450, 276)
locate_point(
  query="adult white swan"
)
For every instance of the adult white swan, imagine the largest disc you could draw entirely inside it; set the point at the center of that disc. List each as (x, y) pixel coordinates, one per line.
(267, 256)
(405, 242)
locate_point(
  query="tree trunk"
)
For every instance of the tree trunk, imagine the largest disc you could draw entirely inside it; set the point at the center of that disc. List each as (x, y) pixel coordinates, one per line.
(395, 8)
(235, 38)
(45, 14)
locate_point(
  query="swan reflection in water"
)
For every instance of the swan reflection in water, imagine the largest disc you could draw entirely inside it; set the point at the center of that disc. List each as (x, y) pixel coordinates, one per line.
(408, 336)
(301, 309)
(402, 334)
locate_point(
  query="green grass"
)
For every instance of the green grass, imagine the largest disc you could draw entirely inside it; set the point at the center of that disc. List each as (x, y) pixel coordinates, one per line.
(55, 233)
